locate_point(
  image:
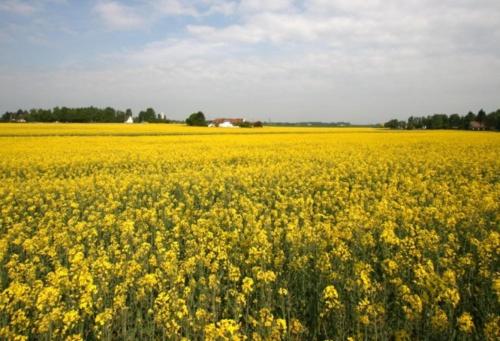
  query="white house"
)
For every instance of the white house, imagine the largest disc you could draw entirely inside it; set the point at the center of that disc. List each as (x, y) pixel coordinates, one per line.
(227, 124)
(129, 120)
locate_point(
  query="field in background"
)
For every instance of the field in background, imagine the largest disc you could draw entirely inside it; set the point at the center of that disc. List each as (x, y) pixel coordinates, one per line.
(272, 233)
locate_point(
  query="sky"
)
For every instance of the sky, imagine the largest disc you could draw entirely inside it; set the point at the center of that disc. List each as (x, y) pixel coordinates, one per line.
(362, 61)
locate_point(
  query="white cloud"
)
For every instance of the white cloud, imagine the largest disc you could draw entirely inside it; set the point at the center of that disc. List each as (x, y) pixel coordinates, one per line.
(119, 17)
(280, 28)
(223, 7)
(265, 5)
(17, 7)
(365, 25)
(26, 7)
(176, 7)
(230, 34)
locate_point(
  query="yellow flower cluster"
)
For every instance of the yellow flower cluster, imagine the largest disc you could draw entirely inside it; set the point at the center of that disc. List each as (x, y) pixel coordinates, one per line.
(169, 232)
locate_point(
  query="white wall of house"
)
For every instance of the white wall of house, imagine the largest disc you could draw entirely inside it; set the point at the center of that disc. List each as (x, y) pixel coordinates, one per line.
(227, 125)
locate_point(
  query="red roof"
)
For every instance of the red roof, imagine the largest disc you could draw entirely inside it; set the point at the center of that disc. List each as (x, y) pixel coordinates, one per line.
(231, 120)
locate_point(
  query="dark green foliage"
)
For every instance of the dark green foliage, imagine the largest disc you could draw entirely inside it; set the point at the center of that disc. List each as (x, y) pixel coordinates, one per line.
(481, 116)
(80, 115)
(454, 121)
(147, 116)
(439, 121)
(395, 124)
(196, 119)
(245, 124)
(470, 117)
(492, 120)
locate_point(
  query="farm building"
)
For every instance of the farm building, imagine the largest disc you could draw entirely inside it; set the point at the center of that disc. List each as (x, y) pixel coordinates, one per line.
(475, 125)
(227, 122)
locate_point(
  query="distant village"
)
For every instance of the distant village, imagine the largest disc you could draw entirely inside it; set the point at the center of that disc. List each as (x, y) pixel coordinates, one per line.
(470, 121)
(110, 115)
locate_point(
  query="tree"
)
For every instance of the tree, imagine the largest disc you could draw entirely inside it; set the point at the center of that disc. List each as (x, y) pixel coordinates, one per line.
(415, 122)
(481, 116)
(7, 116)
(120, 116)
(196, 119)
(244, 124)
(492, 121)
(468, 119)
(147, 116)
(395, 124)
(411, 123)
(455, 121)
(109, 114)
(83, 115)
(439, 121)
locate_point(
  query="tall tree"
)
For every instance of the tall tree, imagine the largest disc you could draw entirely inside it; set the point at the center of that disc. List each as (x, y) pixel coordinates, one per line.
(468, 119)
(492, 120)
(196, 119)
(147, 116)
(455, 121)
(481, 116)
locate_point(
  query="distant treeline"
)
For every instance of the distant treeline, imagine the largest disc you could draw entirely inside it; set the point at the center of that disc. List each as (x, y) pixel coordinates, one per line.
(471, 121)
(309, 124)
(82, 115)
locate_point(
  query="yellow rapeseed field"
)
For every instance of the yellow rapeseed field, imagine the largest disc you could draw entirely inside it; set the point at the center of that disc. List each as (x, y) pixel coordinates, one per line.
(177, 233)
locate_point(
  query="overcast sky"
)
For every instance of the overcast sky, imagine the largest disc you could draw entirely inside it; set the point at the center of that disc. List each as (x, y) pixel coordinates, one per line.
(362, 61)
